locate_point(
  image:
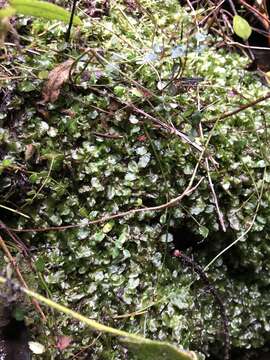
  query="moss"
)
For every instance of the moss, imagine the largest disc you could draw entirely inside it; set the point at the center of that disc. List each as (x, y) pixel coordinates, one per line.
(73, 175)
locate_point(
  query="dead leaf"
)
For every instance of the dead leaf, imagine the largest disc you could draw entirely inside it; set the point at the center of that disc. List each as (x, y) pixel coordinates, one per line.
(29, 151)
(114, 106)
(145, 92)
(68, 112)
(42, 111)
(63, 342)
(56, 78)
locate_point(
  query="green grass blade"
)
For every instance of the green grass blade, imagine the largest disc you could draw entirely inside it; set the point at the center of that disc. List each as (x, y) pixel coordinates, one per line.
(7, 12)
(43, 9)
(145, 349)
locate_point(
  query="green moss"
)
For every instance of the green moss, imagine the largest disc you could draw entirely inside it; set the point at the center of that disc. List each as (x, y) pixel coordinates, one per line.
(75, 175)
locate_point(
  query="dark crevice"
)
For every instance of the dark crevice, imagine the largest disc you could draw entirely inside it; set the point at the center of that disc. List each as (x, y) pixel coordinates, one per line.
(184, 238)
(13, 337)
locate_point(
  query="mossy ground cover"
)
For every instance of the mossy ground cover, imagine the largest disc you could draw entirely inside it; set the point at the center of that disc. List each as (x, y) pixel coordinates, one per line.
(95, 151)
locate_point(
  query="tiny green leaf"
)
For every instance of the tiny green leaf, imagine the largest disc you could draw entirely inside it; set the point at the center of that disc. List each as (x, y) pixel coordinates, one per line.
(42, 9)
(204, 231)
(18, 314)
(107, 227)
(40, 264)
(241, 27)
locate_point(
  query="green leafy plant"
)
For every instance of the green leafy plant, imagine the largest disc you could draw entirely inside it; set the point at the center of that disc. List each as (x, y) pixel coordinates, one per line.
(145, 347)
(110, 159)
(41, 9)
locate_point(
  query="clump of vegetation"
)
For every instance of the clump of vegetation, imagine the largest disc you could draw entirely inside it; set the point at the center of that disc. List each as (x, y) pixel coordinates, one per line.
(136, 138)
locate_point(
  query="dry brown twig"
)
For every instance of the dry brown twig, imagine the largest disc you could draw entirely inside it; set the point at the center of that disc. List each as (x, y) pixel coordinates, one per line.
(156, 121)
(260, 16)
(212, 12)
(174, 131)
(219, 212)
(241, 108)
(15, 238)
(106, 218)
(200, 130)
(19, 275)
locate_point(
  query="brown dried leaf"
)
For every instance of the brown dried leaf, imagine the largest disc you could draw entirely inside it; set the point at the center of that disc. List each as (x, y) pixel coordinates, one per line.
(29, 151)
(68, 112)
(44, 113)
(56, 78)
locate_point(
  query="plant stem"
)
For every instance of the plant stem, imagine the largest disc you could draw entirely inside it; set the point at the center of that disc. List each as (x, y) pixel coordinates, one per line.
(67, 36)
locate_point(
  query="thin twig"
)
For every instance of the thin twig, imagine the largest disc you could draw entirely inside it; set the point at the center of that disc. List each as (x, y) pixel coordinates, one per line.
(241, 108)
(214, 11)
(248, 46)
(220, 215)
(67, 36)
(219, 212)
(103, 219)
(232, 7)
(20, 277)
(15, 238)
(186, 260)
(108, 136)
(255, 12)
(44, 183)
(14, 211)
(242, 236)
(172, 130)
